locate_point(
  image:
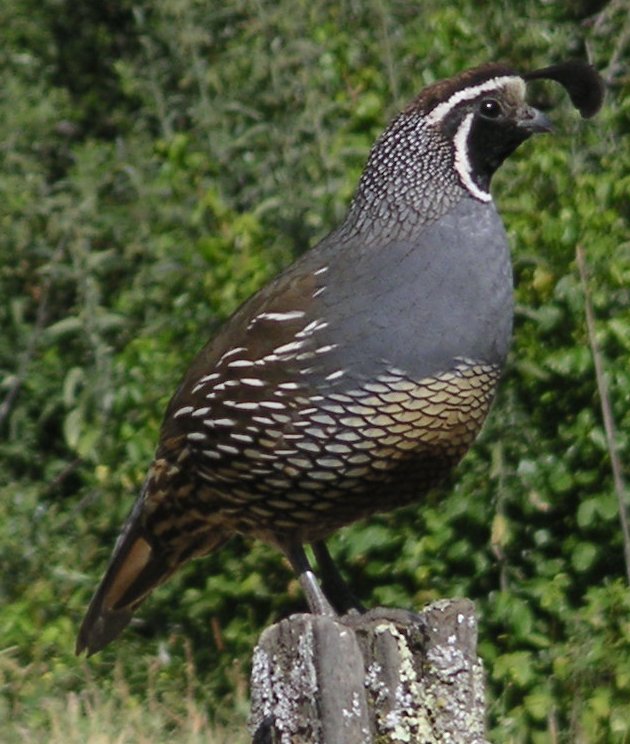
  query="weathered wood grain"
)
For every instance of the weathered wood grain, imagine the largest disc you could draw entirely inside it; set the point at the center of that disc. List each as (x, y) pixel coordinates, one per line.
(385, 676)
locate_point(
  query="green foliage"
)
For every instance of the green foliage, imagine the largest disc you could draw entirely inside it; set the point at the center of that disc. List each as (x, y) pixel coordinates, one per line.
(163, 160)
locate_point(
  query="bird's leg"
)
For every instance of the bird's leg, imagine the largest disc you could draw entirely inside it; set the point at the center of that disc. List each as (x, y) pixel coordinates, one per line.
(333, 583)
(315, 597)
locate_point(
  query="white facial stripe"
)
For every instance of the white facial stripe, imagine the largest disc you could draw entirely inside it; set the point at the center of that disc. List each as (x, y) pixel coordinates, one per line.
(462, 162)
(442, 109)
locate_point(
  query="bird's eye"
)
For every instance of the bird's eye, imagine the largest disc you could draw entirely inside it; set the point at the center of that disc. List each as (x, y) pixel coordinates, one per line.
(490, 108)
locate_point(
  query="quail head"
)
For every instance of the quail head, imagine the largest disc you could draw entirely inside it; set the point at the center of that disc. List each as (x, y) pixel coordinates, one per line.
(358, 378)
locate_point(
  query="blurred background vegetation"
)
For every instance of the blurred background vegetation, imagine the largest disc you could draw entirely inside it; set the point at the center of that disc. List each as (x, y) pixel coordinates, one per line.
(160, 161)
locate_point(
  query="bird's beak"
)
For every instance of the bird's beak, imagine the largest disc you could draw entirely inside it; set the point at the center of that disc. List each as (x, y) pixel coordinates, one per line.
(534, 121)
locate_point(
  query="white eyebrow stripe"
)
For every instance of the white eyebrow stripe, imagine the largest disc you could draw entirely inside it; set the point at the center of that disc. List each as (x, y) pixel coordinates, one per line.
(462, 161)
(442, 109)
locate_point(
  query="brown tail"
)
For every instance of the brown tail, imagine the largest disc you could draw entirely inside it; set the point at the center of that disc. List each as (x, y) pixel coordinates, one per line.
(134, 569)
(137, 566)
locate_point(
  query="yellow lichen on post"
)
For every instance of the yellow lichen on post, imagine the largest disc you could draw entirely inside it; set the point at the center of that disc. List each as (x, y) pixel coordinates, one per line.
(385, 677)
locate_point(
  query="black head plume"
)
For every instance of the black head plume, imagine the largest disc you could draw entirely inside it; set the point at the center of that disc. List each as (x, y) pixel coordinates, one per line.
(580, 80)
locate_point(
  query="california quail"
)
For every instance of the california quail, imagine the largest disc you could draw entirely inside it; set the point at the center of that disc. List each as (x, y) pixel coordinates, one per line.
(358, 378)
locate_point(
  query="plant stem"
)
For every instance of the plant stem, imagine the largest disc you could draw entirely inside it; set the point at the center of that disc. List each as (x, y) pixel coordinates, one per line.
(609, 422)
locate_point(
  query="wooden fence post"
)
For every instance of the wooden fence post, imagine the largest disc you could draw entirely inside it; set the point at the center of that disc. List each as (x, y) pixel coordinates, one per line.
(385, 676)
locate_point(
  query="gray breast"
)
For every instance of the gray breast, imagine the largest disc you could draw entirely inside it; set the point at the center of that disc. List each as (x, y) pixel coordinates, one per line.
(442, 294)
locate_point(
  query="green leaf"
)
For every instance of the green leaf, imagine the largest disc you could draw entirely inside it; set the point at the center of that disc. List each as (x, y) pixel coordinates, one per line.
(538, 705)
(583, 556)
(515, 667)
(65, 327)
(73, 427)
